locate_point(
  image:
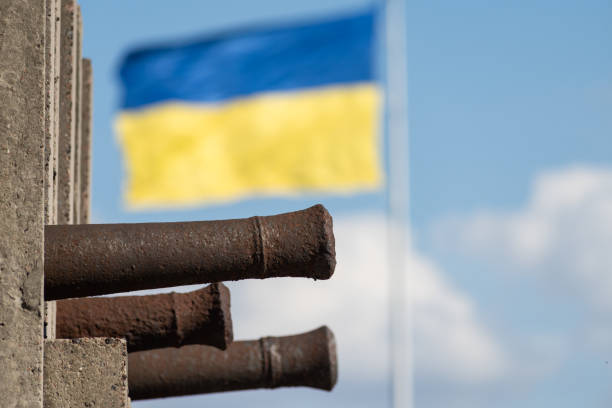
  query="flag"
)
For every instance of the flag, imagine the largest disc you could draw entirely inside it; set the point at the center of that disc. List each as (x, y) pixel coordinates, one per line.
(274, 111)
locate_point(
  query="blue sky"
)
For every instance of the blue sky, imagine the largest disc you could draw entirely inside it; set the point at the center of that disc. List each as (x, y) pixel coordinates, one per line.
(501, 92)
(131, 28)
(510, 158)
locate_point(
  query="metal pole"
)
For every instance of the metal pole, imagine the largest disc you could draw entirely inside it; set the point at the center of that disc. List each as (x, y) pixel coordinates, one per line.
(400, 326)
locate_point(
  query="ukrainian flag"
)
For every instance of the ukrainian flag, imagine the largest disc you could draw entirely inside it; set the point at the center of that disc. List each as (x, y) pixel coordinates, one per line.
(275, 111)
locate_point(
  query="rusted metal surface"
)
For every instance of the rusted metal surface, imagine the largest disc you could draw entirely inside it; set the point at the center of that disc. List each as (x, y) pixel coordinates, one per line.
(87, 260)
(149, 322)
(307, 359)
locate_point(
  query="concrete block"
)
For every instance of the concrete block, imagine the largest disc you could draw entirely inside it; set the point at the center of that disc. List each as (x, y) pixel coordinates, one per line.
(89, 372)
(56, 85)
(51, 112)
(86, 140)
(52, 50)
(76, 171)
(22, 192)
(50, 320)
(67, 113)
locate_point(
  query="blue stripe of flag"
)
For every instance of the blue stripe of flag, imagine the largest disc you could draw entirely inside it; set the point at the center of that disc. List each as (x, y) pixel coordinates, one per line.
(244, 63)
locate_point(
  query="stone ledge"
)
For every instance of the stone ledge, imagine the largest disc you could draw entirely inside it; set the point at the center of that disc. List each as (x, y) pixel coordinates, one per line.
(88, 372)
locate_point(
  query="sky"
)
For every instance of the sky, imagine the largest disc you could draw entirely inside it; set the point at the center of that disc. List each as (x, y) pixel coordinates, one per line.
(510, 168)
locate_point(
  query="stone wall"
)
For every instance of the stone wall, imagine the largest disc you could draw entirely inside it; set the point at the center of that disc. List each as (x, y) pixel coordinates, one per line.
(45, 151)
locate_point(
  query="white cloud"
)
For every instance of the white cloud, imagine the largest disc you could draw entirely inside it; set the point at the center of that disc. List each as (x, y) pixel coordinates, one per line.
(451, 344)
(563, 234)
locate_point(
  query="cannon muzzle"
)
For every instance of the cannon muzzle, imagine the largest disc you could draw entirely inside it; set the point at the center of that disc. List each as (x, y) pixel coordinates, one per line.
(96, 259)
(307, 359)
(149, 322)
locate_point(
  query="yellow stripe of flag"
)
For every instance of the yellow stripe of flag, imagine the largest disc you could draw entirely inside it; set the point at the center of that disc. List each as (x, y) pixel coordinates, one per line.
(319, 139)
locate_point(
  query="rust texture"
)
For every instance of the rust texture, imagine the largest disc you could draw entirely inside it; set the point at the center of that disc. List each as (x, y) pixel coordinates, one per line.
(307, 359)
(149, 322)
(87, 260)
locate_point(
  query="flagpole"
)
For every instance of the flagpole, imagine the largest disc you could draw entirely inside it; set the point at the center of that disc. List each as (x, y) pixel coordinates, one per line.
(400, 325)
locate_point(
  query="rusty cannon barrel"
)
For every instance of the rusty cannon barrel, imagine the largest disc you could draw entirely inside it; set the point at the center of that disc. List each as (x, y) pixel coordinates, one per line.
(149, 322)
(86, 260)
(307, 359)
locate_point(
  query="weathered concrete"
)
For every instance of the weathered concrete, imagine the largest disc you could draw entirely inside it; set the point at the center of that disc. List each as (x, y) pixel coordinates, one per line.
(51, 320)
(52, 50)
(68, 79)
(86, 140)
(86, 373)
(56, 85)
(81, 372)
(51, 112)
(76, 170)
(22, 191)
